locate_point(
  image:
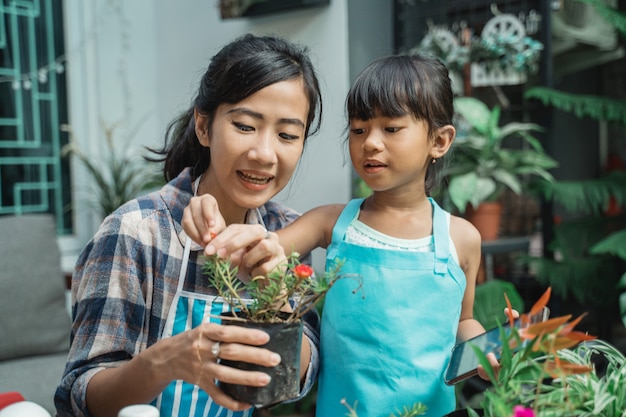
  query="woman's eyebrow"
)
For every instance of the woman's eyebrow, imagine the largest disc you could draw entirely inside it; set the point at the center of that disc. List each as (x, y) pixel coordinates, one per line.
(257, 115)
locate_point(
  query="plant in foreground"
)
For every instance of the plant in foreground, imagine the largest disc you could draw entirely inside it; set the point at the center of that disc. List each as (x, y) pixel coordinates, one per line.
(415, 410)
(547, 372)
(266, 298)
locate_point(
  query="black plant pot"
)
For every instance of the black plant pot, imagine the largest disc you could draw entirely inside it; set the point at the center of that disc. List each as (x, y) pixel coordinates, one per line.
(285, 339)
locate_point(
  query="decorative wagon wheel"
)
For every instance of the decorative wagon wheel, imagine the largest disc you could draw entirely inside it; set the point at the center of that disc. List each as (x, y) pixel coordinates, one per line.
(504, 25)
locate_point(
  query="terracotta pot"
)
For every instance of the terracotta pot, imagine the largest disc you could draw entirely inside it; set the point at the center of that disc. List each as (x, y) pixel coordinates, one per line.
(285, 339)
(486, 218)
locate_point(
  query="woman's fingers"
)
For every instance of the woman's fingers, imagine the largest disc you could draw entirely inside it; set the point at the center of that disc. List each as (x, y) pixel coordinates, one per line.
(264, 256)
(236, 343)
(235, 237)
(202, 219)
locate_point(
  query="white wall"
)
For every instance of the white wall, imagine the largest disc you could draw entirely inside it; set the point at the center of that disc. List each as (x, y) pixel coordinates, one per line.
(138, 62)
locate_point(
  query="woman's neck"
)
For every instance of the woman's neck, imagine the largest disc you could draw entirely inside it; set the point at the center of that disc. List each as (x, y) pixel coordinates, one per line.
(230, 211)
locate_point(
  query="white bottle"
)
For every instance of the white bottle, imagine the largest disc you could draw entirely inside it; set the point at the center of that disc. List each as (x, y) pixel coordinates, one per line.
(139, 410)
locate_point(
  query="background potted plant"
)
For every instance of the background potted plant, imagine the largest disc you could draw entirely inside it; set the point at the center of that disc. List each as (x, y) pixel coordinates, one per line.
(118, 175)
(275, 303)
(482, 165)
(587, 240)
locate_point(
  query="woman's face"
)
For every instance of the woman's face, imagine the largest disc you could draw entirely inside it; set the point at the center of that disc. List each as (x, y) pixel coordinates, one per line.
(255, 147)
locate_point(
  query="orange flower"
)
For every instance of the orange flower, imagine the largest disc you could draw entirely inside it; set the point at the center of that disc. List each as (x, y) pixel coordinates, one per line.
(559, 367)
(552, 334)
(302, 271)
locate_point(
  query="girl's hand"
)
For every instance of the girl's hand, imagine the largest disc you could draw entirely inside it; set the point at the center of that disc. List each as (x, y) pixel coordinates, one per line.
(491, 357)
(494, 364)
(202, 219)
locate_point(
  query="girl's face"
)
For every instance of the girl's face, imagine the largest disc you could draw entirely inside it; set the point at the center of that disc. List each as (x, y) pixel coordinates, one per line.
(255, 147)
(391, 154)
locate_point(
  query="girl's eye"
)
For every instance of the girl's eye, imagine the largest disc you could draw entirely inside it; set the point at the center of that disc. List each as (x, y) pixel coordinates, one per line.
(392, 129)
(287, 136)
(357, 131)
(243, 127)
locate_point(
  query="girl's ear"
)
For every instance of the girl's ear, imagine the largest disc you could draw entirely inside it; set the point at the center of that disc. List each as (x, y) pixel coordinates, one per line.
(202, 127)
(443, 140)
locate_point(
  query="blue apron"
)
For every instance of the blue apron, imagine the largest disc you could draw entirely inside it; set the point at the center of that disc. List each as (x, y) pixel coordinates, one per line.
(387, 347)
(188, 310)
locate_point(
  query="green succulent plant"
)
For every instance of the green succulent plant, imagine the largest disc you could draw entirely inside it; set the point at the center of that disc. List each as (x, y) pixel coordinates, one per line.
(263, 298)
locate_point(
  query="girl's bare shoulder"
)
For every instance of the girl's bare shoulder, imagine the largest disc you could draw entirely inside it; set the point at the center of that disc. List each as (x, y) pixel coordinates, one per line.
(464, 234)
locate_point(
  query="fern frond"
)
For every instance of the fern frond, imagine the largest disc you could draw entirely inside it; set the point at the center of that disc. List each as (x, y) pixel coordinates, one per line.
(571, 277)
(589, 196)
(614, 244)
(596, 107)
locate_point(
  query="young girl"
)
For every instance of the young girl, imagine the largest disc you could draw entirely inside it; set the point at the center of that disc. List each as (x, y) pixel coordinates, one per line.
(388, 346)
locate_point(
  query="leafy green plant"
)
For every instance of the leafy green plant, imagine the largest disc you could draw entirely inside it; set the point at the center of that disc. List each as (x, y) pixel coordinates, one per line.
(270, 294)
(118, 176)
(414, 410)
(553, 373)
(482, 167)
(590, 244)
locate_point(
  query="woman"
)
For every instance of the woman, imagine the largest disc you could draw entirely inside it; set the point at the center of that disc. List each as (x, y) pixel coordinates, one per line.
(140, 300)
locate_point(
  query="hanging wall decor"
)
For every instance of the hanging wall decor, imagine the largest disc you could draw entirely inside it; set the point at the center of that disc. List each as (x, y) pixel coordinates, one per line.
(503, 55)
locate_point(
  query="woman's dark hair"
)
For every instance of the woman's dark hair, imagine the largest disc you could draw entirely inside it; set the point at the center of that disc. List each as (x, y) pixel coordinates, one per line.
(240, 69)
(397, 85)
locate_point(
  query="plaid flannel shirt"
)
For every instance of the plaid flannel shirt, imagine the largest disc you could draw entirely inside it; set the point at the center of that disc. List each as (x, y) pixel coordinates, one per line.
(125, 280)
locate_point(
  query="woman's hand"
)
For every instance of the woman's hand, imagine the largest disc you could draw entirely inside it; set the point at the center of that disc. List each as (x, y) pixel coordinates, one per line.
(193, 356)
(250, 246)
(202, 219)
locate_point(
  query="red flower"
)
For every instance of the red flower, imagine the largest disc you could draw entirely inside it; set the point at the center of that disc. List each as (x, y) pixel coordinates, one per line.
(520, 411)
(303, 271)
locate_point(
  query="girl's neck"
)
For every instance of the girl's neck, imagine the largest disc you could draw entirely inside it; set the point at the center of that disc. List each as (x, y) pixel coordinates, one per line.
(409, 218)
(386, 201)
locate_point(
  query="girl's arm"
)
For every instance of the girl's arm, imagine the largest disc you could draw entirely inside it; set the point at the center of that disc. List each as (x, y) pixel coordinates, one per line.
(311, 230)
(467, 242)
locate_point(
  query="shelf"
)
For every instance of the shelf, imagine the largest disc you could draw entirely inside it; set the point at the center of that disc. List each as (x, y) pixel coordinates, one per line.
(276, 6)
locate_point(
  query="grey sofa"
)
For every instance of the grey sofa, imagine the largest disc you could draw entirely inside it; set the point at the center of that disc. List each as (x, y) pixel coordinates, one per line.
(34, 322)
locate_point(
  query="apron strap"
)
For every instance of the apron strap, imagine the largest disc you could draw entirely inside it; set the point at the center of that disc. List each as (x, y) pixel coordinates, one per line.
(441, 238)
(349, 212)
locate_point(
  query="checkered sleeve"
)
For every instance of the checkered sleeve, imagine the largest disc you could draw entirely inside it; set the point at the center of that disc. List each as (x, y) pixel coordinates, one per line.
(108, 309)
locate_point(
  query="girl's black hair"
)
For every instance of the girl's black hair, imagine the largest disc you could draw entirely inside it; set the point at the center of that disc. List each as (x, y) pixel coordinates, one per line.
(240, 69)
(397, 85)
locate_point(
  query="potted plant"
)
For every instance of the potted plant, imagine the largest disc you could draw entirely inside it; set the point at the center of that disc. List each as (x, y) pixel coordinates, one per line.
(276, 304)
(481, 167)
(118, 176)
(553, 373)
(588, 239)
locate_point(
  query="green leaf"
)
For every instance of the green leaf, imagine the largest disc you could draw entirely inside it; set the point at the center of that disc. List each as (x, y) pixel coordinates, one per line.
(489, 302)
(475, 112)
(614, 244)
(509, 179)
